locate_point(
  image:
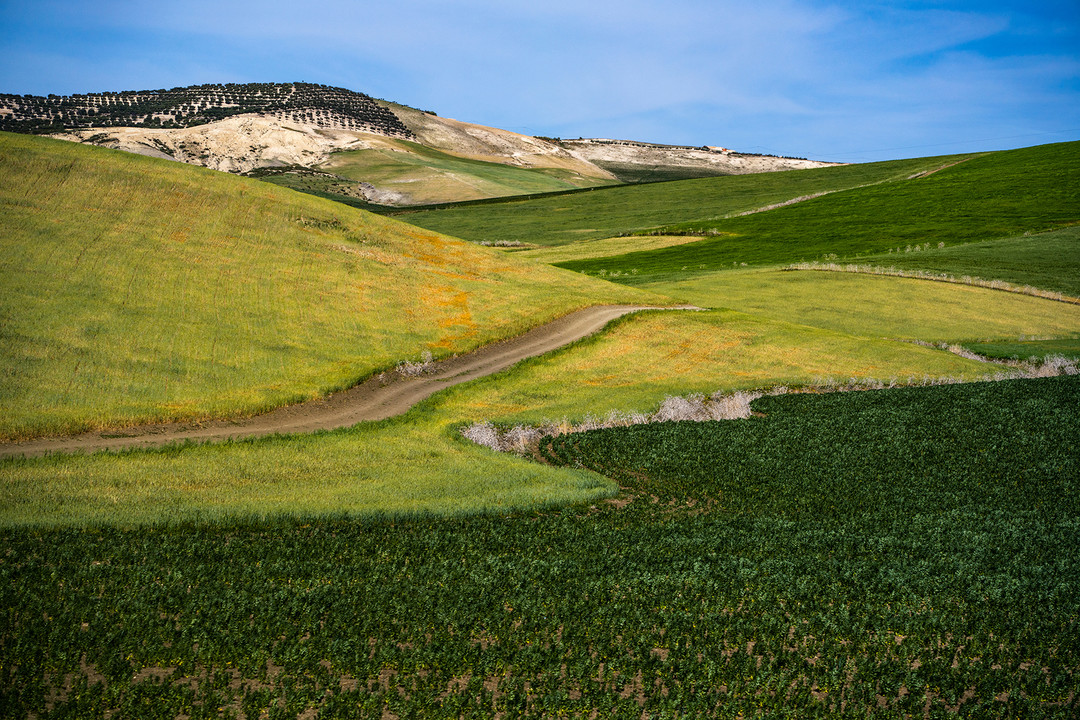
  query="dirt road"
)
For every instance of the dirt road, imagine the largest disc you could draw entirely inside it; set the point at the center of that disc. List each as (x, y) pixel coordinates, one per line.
(380, 397)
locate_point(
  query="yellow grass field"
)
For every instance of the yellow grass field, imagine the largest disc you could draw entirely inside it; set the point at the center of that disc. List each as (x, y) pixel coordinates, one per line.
(138, 290)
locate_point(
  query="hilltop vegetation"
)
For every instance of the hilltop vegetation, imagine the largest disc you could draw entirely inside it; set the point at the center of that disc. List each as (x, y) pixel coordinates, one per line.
(198, 105)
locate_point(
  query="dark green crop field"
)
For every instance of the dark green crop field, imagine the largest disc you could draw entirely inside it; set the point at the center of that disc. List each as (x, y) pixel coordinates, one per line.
(998, 195)
(1028, 350)
(897, 553)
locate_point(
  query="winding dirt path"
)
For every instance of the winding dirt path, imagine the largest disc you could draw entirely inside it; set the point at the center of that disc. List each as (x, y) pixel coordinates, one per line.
(378, 398)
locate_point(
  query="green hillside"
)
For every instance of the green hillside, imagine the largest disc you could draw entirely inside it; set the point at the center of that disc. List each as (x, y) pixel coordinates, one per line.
(1050, 260)
(986, 197)
(604, 213)
(133, 290)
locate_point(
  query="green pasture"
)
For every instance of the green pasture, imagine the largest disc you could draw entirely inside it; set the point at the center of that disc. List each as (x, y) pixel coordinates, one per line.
(136, 290)
(1036, 350)
(427, 175)
(1049, 261)
(879, 306)
(608, 212)
(602, 247)
(986, 197)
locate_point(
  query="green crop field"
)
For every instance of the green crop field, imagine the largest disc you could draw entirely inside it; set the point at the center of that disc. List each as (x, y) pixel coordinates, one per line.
(901, 552)
(1037, 350)
(905, 552)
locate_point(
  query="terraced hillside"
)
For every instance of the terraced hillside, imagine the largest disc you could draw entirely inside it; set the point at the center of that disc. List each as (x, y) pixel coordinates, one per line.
(308, 103)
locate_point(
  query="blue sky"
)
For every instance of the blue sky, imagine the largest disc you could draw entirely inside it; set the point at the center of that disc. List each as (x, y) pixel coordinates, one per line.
(847, 81)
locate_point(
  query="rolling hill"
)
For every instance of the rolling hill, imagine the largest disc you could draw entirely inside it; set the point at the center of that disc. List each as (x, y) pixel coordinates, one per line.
(233, 295)
(349, 146)
(902, 207)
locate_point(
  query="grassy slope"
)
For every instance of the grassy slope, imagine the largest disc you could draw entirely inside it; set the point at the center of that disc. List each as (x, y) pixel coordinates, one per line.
(603, 247)
(139, 290)
(879, 306)
(427, 175)
(986, 197)
(611, 211)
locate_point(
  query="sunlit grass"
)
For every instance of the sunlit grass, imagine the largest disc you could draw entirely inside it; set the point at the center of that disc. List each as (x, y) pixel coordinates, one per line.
(640, 361)
(419, 463)
(604, 247)
(875, 306)
(394, 467)
(135, 290)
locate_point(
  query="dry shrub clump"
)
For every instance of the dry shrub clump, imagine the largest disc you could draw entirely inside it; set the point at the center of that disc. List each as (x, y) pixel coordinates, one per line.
(521, 438)
(409, 368)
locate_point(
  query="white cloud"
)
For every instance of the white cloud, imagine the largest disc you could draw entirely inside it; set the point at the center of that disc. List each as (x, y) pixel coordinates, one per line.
(787, 71)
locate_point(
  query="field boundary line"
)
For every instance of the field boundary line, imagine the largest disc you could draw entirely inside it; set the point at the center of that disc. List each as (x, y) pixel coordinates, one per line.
(973, 281)
(722, 405)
